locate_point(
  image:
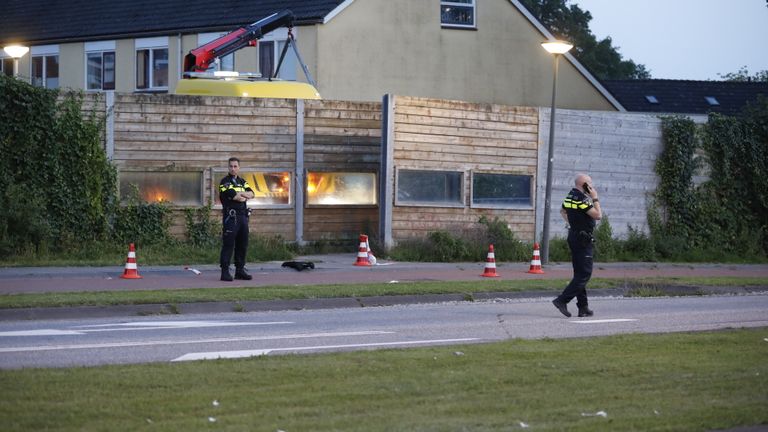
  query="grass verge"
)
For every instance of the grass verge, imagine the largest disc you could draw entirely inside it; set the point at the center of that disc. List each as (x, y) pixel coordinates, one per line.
(686, 381)
(637, 287)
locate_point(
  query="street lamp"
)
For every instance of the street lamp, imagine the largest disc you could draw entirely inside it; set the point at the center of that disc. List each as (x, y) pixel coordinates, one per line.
(17, 52)
(557, 48)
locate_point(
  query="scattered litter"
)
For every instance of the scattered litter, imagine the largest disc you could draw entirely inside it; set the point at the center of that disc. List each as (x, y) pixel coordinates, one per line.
(597, 414)
(766, 339)
(656, 412)
(393, 281)
(215, 403)
(212, 419)
(524, 425)
(149, 420)
(195, 271)
(109, 277)
(458, 353)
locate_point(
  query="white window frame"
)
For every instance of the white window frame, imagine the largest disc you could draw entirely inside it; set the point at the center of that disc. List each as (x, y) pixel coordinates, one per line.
(501, 206)
(472, 5)
(101, 47)
(44, 51)
(444, 204)
(151, 44)
(291, 63)
(3, 59)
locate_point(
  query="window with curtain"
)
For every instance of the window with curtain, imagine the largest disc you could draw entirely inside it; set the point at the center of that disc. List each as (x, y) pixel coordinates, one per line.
(100, 73)
(45, 71)
(152, 69)
(266, 58)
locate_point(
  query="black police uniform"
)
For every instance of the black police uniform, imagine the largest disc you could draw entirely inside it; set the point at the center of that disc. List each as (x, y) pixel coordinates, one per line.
(235, 223)
(580, 241)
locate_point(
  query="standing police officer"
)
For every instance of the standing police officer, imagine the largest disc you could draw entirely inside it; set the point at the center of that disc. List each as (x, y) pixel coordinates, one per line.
(580, 210)
(234, 192)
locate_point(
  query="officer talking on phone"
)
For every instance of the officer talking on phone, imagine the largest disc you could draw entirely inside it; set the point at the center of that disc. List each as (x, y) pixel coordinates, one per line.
(580, 210)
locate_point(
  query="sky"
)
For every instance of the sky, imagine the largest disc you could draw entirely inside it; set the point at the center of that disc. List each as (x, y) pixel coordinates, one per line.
(685, 39)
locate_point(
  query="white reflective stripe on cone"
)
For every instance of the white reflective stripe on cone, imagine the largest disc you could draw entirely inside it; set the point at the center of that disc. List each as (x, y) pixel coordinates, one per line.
(130, 266)
(131, 254)
(536, 262)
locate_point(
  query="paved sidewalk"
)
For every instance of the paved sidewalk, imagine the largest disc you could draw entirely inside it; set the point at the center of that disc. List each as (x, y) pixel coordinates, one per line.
(329, 269)
(332, 269)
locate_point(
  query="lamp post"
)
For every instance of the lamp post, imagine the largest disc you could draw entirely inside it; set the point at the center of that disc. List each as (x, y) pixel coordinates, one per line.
(557, 48)
(17, 52)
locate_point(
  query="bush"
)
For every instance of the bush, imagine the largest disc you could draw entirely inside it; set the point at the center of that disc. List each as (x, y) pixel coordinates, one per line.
(201, 230)
(140, 222)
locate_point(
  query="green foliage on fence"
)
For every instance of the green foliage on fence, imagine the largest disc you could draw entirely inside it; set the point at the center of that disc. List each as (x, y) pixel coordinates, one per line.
(729, 211)
(56, 186)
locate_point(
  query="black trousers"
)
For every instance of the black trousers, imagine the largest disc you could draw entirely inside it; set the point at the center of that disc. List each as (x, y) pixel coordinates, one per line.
(581, 258)
(234, 238)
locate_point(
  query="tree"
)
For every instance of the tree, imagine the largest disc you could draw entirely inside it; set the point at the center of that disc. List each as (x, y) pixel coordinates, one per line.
(571, 23)
(743, 76)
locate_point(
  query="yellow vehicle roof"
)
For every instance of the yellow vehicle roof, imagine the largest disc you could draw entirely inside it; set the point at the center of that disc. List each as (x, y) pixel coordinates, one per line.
(246, 88)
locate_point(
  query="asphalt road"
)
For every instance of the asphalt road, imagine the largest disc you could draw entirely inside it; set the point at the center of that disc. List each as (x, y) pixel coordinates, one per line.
(90, 342)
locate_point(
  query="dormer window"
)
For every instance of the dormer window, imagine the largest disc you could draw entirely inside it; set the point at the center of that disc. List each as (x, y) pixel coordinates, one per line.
(457, 13)
(711, 100)
(652, 99)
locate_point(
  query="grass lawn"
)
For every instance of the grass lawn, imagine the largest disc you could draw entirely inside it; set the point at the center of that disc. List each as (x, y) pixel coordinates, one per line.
(667, 382)
(647, 286)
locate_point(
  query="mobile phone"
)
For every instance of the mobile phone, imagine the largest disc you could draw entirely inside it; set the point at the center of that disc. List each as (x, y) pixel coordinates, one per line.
(586, 187)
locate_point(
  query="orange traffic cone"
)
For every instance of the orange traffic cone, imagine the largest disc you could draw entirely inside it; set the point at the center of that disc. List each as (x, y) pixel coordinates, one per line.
(362, 252)
(536, 261)
(490, 264)
(131, 269)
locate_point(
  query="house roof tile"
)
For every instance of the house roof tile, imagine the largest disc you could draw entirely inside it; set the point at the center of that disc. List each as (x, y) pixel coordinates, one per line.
(37, 22)
(682, 96)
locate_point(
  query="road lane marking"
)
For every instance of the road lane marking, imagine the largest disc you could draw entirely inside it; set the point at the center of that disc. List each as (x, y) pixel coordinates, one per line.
(41, 332)
(196, 341)
(164, 325)
(259, 352)
(603, 321)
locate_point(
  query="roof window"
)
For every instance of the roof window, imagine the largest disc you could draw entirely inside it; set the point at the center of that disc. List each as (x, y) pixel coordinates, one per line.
(652, 99)
(711, 100)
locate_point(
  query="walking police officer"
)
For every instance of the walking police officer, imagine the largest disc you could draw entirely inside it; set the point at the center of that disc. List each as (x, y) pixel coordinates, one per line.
(234, 192)
(580, 210)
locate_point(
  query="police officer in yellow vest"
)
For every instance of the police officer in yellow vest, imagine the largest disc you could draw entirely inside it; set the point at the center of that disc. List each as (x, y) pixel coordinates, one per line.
(234, 192)
(580, 210)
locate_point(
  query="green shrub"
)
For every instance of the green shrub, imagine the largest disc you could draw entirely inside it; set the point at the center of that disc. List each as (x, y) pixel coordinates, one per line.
(200, 228)
(140, 222)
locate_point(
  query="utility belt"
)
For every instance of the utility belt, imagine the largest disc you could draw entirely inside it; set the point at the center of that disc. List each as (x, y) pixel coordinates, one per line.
(234, 213)
(585, 238)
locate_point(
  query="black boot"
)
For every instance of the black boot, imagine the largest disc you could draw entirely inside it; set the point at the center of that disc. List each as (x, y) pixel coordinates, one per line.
(242, 274)
(585, 312)
(562, 307)
(225, 275)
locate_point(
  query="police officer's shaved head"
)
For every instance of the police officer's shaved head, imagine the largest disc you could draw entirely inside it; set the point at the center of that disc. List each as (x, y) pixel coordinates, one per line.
(581, 179)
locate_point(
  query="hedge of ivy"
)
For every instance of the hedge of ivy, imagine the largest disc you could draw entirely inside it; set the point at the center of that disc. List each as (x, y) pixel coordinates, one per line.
(58, 190)
(729, 211)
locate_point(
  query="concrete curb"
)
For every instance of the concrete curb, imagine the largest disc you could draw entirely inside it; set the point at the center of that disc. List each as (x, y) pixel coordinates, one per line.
(76, 312)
